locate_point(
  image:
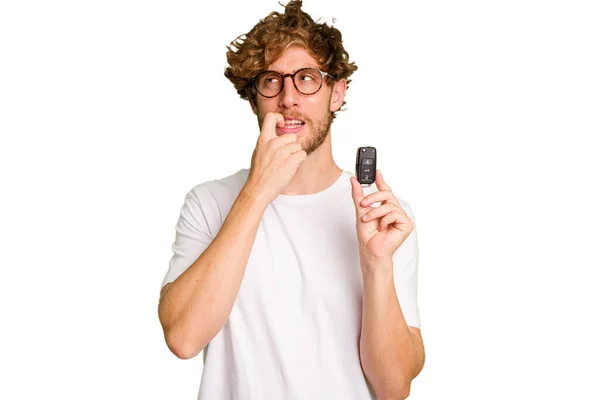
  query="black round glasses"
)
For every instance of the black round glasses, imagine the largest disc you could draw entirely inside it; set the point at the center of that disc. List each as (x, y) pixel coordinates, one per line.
(306, 80)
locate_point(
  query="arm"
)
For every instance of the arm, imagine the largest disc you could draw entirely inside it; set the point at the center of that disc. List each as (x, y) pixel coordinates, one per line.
(198, 303)
(194, 307)
(392, 354)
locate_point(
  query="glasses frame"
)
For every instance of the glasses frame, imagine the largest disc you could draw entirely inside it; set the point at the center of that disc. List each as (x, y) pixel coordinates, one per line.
(283, 76)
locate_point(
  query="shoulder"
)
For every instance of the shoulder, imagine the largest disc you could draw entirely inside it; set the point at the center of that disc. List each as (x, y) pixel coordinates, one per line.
(219, 188)
(213, 199)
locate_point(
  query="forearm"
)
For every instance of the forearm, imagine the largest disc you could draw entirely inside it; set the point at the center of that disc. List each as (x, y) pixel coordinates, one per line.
(198, 303)
(391, 355)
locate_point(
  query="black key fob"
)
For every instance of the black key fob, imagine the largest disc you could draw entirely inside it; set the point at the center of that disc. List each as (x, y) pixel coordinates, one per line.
(366, 164)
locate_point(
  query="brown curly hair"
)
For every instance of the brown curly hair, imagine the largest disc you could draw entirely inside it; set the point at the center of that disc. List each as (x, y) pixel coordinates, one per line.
(251, 53)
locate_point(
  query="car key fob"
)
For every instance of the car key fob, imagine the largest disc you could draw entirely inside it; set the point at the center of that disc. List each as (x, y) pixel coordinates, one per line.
(366, 164)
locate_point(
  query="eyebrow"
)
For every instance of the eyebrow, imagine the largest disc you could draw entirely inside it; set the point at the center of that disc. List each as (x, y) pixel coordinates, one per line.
(279, 72)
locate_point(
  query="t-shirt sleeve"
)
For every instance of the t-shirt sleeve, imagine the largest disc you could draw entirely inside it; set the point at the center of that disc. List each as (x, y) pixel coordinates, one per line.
(193, 233)
(406, 260)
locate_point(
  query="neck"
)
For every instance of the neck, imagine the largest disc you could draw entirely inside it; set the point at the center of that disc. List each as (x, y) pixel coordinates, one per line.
(316, 173)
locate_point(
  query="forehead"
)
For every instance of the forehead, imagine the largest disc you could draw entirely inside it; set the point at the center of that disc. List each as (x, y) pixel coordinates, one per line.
(292, 59)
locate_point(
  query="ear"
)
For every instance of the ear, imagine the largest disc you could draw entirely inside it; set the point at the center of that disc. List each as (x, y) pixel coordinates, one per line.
(337, 95)
(253, 105)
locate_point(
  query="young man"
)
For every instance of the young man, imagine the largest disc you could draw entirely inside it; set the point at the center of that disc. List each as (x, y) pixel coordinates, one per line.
(288, 277)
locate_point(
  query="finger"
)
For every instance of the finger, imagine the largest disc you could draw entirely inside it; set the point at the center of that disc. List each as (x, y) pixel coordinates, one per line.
(357, 195)
(381, 185)
(268, 128)
(286, 140)
(383, 196)
(397, 220)
(388, 219)
(280, 120)
(379, 212)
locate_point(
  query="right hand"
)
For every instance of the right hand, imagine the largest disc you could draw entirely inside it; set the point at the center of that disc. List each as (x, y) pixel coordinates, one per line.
(275, 159)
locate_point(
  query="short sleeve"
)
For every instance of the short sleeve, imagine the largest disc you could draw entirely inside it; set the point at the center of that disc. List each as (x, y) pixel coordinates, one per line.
(406, 260)
(192, 236)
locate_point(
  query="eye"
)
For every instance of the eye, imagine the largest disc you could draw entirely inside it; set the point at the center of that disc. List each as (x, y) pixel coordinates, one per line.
(271, 79)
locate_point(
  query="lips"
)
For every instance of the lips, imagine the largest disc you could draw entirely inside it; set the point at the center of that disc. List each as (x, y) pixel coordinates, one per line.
(292, 125)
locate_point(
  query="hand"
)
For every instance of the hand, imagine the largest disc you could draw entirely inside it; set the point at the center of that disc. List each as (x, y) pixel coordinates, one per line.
(275, 159)
(386, 227)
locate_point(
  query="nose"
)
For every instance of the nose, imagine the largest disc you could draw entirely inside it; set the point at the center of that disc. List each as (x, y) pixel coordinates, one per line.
(289, 95)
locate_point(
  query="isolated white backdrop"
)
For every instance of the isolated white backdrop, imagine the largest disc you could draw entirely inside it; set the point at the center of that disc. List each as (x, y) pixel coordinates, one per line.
(484, 115)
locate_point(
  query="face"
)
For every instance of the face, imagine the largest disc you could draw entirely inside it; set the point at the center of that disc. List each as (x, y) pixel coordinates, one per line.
(313, 111)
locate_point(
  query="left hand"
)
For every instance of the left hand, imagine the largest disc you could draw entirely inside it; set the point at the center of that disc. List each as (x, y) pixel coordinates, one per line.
(386, 227)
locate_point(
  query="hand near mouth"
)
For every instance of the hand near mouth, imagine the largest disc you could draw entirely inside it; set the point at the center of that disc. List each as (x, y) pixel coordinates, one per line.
(275, 159)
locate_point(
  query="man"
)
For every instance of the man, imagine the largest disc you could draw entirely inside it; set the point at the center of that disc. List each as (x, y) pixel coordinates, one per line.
(288, 277)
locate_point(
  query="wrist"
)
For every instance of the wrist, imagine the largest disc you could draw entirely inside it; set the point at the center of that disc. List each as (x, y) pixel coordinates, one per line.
(254, 195)
(375, 267)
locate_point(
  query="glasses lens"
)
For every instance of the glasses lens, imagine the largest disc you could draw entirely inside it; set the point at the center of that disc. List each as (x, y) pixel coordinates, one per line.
(269, 83)
(308, 80)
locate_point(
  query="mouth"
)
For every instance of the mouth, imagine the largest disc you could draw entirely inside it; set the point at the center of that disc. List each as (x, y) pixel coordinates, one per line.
(292, 125)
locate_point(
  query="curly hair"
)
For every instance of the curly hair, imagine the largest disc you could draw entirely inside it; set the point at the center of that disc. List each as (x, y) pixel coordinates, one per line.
(251, 53)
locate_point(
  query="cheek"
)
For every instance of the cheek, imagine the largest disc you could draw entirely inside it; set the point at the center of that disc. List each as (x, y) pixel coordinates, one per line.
(317, 107)
(260, 114)
(265, 105)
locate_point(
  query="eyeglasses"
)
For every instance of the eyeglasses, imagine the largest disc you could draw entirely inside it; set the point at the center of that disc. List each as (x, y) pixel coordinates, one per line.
(306, 80)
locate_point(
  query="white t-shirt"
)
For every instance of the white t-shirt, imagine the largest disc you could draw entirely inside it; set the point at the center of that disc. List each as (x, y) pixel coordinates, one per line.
(294, 330)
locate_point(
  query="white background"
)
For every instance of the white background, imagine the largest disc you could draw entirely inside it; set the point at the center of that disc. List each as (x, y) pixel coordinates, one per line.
(484, 114)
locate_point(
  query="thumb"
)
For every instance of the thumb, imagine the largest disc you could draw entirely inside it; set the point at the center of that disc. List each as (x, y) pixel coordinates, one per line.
(357, 195)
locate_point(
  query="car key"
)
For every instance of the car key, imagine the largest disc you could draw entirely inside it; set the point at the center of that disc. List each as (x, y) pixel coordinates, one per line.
(366, 164)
